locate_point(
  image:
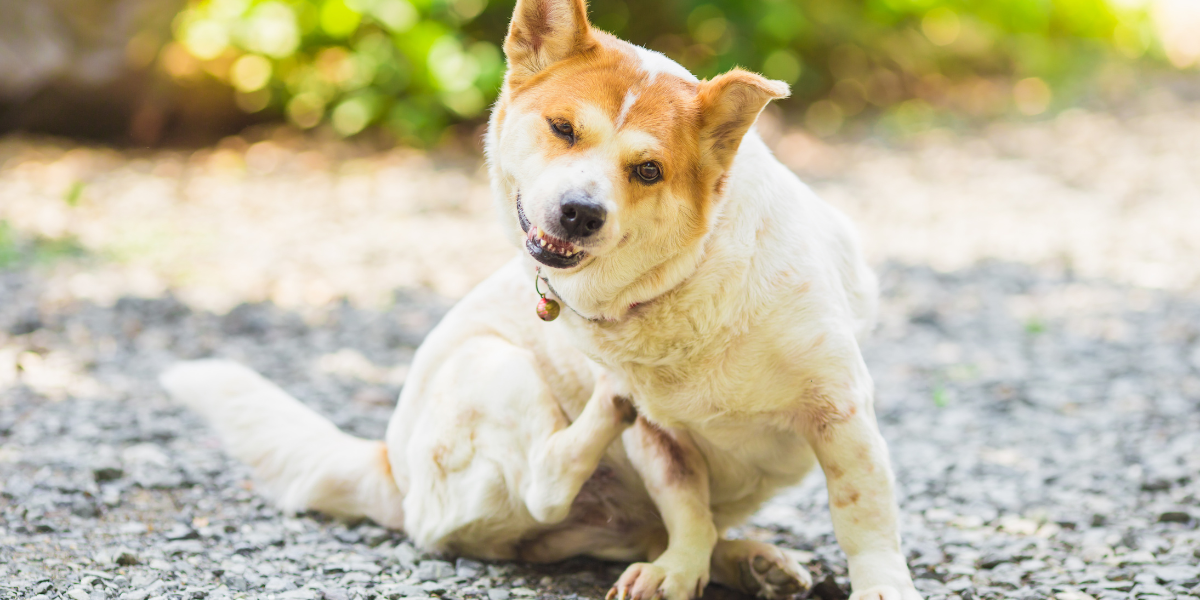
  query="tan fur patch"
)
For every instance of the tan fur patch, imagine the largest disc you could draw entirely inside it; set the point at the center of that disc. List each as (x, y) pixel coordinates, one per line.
(383, 458)
(850, 496)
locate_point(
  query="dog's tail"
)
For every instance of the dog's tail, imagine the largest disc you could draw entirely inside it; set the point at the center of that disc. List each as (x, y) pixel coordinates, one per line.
(301, 459)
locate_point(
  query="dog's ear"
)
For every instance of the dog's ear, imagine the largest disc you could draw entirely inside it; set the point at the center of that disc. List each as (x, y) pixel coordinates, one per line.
(543, 32)
(729, 105)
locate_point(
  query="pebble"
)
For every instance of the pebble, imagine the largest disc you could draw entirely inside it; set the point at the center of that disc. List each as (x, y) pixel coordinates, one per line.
(469, 569)
(432, 570)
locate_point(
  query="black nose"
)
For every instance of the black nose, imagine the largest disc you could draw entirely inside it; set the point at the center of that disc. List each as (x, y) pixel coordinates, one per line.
(581, 216)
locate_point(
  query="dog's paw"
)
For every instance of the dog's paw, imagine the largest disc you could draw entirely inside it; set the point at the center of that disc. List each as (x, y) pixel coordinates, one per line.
(885, 592)
(771, 573)
(647, 581)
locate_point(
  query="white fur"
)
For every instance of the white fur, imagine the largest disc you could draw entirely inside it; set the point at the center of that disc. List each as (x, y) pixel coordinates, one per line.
(626, 104)
(509, 439)
(654, 63)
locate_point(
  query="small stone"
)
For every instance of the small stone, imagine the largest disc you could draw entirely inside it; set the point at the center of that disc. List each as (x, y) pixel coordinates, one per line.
(161, 565)
(498, 594)
(993, 559)
(1156, 485)
(1173, 573)
(406, 555)
(298, 594)
(432, 570)
(1174, 516)
(1141, 557)
(401, 591)
(277, 584)
(470, 569)
(107, 473)
(1073, 595)
(355, 577)
(960, 584)
(348, 536)
(181, 532)
(236, 583)
(78, 593)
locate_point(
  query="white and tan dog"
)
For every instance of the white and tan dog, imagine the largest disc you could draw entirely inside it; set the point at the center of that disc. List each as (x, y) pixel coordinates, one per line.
(707, 355)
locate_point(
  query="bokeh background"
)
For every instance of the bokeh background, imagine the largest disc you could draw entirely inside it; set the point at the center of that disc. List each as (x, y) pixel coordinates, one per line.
(298, 185)
(149, 71)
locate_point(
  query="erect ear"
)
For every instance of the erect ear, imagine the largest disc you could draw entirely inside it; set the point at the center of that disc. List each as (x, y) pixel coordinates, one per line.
(544, 32)
(729, 105)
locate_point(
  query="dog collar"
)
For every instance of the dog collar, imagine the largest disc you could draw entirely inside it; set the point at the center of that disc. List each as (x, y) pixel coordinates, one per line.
(548, 309)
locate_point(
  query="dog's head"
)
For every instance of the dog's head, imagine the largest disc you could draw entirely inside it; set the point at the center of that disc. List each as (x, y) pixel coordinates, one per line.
(609, 159)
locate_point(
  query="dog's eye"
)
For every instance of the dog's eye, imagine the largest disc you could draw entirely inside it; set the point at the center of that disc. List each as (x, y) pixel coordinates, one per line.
(564, 130)
(649, 172)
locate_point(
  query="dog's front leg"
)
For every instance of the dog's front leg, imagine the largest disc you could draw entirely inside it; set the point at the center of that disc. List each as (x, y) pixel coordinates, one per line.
(676, 476)
(859, 477)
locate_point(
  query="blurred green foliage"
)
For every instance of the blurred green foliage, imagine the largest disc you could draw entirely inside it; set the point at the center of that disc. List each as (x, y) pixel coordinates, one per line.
(18, 250)
(417, 65)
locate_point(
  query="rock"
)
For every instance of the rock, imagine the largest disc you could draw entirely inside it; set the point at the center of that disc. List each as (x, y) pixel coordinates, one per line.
(120, 555)
(432, 570)
(181, 532)
(348, 536)
(278, 584)
(469, 569)
(1072, 595)
(1174, 573)
(406, 555)
(1141, 557)
(395, 591)
(1174, 516)
(108, 473)
(498, 594)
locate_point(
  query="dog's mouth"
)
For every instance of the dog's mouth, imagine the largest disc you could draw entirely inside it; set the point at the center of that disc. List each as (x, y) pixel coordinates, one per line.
(545, 248)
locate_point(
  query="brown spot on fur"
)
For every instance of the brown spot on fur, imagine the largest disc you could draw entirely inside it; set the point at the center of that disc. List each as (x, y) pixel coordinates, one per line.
(719, 188)
(678, 466)
(850, 497)
(818, 411)
(626, 411)
(833, 472)
(439, 456)
(383, 457)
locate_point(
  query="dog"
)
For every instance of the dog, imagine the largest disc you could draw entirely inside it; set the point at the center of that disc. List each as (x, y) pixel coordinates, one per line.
(706, 356)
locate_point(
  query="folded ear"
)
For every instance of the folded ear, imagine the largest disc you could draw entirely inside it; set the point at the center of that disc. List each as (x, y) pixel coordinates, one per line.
(544, 32)
(729, 105)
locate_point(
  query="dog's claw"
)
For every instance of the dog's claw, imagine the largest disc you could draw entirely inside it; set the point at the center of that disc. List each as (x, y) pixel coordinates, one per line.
(611, 592)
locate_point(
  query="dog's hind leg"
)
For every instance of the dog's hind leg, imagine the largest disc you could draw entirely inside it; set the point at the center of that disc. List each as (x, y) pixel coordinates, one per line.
(562, 462)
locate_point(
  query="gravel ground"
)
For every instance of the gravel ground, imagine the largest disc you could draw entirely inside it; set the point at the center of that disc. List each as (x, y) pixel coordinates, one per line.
(1040, 392)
